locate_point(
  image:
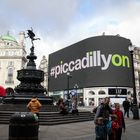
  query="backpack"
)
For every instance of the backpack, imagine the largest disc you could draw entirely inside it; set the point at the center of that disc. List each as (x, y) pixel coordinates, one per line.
(109, 127)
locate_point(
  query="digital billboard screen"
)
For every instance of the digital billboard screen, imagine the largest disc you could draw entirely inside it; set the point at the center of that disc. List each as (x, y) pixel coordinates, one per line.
(93, 62)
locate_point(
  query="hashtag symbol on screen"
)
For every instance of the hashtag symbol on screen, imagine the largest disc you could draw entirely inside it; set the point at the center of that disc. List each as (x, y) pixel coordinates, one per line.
(52, 72)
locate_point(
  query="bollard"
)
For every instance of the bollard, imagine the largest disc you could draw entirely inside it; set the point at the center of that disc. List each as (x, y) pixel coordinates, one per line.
(24, 126)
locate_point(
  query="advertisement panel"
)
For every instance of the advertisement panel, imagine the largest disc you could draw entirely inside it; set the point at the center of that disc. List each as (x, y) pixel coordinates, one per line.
(93, 62)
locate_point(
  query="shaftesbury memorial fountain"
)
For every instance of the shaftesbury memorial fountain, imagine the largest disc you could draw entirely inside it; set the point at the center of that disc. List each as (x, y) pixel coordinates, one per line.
(30, 79)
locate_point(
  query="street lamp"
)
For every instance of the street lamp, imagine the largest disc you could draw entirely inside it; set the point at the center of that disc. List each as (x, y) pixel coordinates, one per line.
(76, 87)
(135, 107)
(68, 94)
(68, 78)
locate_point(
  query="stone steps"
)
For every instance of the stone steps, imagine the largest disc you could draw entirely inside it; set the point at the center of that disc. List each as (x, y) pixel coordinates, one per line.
(23, 108)
(51, 118)
(49, 114)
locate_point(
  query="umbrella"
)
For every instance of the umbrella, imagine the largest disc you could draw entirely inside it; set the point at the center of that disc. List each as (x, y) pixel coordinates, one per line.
(2, 91)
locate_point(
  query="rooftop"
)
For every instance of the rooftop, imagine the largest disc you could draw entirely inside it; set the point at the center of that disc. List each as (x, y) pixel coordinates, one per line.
(8, 37)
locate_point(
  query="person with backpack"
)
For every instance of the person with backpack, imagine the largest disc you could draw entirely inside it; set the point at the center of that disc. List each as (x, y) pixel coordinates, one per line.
(120, 120)
(104, 110)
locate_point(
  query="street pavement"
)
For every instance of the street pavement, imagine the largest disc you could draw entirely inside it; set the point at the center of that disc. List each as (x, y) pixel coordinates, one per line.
(78, 131)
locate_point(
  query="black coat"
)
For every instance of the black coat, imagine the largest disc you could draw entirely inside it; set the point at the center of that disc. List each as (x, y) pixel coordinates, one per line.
(126, 105)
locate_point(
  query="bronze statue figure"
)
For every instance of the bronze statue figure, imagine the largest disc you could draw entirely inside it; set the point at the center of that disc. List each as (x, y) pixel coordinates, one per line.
(31, 35)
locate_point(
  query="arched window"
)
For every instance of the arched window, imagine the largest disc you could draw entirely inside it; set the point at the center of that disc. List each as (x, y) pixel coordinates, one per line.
(101, 92)
(91, 92)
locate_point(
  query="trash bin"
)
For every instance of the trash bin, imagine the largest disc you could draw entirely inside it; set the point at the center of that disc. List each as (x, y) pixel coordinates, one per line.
(23, 126)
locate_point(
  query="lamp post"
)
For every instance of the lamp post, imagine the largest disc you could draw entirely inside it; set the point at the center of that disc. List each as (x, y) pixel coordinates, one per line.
(68, 79)
(68, 94)
(135, 107)
(76, 87)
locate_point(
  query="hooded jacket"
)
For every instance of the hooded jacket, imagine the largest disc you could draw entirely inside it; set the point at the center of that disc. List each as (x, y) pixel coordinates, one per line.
(34, 105)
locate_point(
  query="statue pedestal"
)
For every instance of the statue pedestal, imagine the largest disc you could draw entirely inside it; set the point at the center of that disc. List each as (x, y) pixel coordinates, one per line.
(21, 99)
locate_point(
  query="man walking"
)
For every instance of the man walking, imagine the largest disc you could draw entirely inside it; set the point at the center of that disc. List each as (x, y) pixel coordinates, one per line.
(126, 106)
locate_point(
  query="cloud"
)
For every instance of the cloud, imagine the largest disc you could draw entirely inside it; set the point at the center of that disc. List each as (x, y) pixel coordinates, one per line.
(113, 22)
(123, 20)
(60, 23)
(53, 14)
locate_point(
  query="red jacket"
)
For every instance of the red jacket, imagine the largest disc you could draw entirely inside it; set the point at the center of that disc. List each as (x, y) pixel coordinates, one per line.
(120, 118)
(115, 125)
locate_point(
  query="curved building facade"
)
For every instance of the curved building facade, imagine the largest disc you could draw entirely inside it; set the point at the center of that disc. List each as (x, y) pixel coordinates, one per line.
(12, 58)
(100, 66)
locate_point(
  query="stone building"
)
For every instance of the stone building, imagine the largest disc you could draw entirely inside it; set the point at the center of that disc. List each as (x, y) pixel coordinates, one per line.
(136, 58)
(12, 58)
(44, 67)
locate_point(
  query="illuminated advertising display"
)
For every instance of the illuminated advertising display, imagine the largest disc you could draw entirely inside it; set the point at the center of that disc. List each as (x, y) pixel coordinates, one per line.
(94, 62)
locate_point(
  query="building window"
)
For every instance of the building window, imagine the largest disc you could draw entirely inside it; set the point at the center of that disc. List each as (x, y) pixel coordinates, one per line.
(10, 76)
(6, 53)
(101, 92)
(117, 91)
(91, 92)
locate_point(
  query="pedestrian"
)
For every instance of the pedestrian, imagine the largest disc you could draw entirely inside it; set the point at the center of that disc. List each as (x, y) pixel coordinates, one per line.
(126, 106)
(120, 120)
(62, 107)
(100, 129)
(131, 106)
(104, 110)
(114, 128)
(34, 106)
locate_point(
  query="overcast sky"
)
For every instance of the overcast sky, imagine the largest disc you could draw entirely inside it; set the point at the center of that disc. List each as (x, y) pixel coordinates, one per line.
(60, 23)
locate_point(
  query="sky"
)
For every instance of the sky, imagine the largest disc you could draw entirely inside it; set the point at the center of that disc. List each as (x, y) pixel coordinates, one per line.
(61, 23)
